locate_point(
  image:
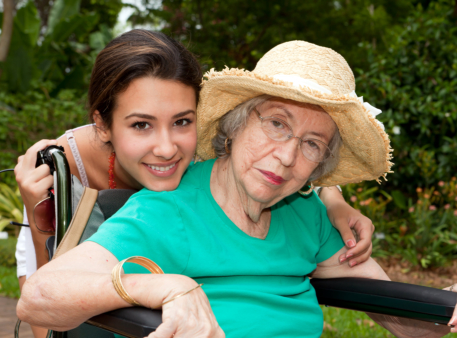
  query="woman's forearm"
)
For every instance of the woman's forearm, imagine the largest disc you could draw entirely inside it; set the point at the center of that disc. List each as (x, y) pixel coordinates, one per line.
(39, 241)
(329, 195)
(64, 299)
(77, 286)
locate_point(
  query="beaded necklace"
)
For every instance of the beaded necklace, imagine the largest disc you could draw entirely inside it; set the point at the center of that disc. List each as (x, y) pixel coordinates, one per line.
(111, 182)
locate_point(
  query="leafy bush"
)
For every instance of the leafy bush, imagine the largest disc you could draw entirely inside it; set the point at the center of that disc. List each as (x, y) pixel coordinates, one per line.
(422, 231)
(9, 284)
(34, 115)
(414, 84)
(7, 252)
(10, 206)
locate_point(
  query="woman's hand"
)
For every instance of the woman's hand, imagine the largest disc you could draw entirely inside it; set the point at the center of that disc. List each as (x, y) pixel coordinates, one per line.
(33, 182)
(189, 315)
(345, 219)
(453, 321)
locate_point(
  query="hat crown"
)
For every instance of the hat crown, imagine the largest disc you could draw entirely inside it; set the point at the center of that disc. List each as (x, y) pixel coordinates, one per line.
(311, 62)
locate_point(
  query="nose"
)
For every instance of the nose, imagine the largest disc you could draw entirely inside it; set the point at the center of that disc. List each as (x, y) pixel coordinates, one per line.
(165, 146)
(288, 151)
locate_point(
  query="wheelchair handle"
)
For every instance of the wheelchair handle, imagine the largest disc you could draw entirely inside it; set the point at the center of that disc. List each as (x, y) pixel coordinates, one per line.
(62, 192)
(62, 189)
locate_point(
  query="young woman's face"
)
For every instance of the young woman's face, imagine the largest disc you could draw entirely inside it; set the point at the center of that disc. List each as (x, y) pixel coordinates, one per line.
(153, 133)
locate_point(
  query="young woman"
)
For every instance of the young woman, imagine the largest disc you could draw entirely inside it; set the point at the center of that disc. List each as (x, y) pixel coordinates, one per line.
(142, 97)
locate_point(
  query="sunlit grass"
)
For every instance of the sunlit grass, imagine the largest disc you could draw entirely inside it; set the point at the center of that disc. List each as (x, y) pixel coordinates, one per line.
(340, 323)
(9, 284)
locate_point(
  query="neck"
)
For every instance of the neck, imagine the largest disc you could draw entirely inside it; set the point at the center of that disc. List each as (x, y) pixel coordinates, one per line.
(249, 215)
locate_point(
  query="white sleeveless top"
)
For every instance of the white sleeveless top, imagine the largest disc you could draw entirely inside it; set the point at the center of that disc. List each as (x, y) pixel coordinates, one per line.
(25, 250)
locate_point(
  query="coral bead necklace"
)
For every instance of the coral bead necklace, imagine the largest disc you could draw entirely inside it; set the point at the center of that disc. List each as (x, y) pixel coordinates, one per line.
(111, 182)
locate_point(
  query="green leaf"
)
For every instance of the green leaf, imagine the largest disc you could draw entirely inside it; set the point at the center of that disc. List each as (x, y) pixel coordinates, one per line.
(77, 24)
(28, 22)
(19, 68)
(61, 10)
(399, 199)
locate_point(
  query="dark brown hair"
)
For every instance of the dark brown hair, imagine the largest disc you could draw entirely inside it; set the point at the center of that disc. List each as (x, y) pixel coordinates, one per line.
(136, 54)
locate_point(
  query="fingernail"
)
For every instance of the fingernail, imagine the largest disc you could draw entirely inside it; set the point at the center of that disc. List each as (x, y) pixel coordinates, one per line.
(349, 255)
(342, 259)
(353, 263)
(350, 243)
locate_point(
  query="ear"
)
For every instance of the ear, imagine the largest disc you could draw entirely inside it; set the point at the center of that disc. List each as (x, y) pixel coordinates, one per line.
(102, 131)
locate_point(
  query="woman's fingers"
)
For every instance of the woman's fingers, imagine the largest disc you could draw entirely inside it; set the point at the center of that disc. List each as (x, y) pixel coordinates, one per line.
(453, 322)
(364, 229)
(33, 182)
(189, 315)
(346, 233)
(165, 330)
(30, 156)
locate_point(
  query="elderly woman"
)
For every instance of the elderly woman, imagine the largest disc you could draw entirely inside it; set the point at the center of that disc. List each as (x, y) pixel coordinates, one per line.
(247, 225)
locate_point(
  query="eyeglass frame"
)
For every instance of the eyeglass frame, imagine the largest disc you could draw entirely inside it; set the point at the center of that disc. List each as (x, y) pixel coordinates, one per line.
(291, 136)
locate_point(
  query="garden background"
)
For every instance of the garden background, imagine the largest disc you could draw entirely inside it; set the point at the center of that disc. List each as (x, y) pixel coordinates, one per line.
(404, 57)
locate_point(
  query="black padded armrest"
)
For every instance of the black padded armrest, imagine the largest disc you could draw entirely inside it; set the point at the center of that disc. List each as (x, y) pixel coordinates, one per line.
(391, 298)
(368, 295)
(136, 322)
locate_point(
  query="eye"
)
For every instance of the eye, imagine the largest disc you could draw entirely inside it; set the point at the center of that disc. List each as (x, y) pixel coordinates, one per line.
(313, 145)
(141, 125)
(182, 122)
(277, 124)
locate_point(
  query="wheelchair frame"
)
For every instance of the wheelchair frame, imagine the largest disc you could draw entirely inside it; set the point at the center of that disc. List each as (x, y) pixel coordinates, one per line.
(375, 296)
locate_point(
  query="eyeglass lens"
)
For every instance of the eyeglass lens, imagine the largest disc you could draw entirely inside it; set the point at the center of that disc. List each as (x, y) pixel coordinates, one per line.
(278, 130)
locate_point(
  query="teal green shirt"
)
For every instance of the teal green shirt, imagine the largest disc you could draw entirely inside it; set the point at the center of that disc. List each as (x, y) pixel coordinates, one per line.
(257, 288)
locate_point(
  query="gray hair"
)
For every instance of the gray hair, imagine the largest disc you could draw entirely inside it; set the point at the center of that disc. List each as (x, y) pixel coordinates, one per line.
(235, 121)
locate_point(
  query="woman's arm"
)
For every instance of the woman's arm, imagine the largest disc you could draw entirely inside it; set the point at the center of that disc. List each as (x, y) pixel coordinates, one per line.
(77, 286)
(345, 218)
(400, 327)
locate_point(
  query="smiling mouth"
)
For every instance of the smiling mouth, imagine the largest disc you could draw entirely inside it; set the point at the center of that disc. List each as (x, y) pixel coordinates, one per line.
(161, 168)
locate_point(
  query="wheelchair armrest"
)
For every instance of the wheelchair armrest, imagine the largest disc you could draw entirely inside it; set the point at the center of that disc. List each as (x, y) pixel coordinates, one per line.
(384, 297)
(136, 322)
(368, 295)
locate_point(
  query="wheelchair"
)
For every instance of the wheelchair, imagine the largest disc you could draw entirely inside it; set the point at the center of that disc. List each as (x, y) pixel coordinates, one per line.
(368, 295)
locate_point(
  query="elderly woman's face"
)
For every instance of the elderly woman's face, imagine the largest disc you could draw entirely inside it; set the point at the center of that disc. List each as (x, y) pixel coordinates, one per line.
(269, 170)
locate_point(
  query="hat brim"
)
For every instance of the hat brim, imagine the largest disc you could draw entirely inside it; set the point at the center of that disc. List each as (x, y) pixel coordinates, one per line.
(364, 155)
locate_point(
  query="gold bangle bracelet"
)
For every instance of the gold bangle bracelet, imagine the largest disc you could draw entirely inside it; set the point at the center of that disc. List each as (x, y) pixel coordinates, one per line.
(182, 294)
(116, 274)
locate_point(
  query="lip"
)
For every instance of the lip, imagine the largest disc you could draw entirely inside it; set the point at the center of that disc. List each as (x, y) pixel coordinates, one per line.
(159, 173)
(271, 177)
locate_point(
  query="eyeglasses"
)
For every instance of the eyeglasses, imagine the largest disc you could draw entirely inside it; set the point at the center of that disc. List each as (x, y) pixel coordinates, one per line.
(279, 130)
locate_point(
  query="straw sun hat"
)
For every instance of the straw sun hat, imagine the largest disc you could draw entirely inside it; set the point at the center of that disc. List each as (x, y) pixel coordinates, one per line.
(303, 72)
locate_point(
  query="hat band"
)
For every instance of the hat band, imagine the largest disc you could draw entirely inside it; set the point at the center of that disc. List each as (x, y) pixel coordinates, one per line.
(297, 81)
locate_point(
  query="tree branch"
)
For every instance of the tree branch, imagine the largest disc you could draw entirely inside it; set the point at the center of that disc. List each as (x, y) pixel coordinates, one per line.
(7, 29)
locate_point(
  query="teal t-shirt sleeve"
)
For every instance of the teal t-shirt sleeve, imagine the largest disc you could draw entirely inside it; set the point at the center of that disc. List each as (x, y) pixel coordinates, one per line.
(148, 225)
(330, 239)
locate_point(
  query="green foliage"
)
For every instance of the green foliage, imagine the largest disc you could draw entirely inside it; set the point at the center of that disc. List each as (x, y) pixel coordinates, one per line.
(9, 284)
(28, 117)
(237, 32)
(62, 51)
(423, 231)
(414, 84)
(10, 206)
(7, 252)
